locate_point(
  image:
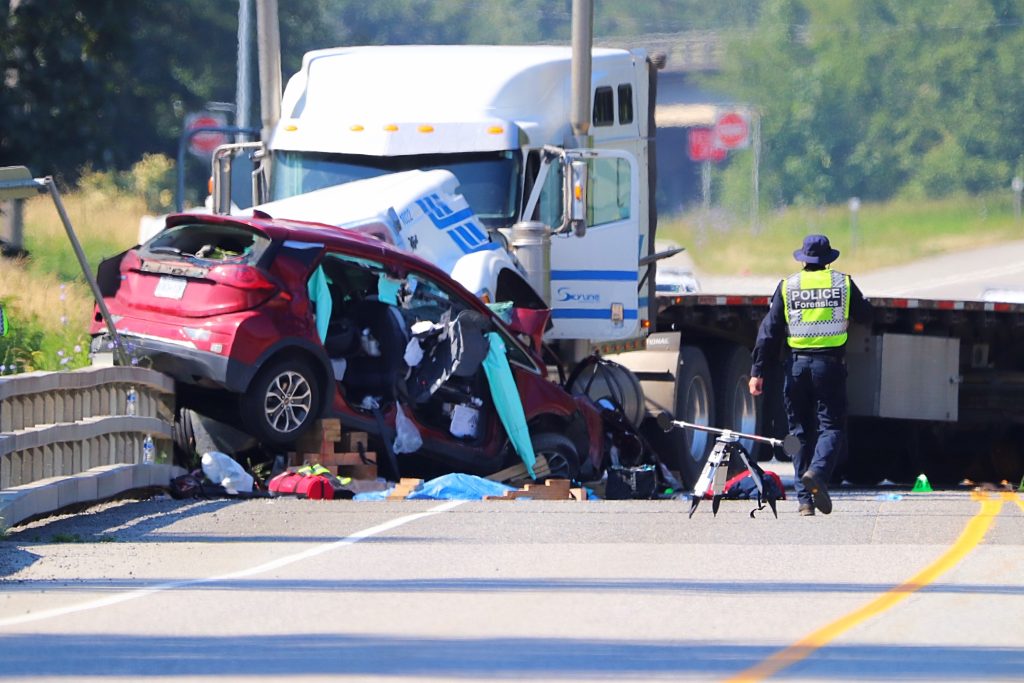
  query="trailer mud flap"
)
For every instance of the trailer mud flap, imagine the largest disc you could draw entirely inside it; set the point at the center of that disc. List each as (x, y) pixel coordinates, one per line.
(656, 368)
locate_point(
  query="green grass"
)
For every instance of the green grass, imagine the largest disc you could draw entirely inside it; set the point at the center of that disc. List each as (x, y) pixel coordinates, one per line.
(48, 302)
(886, 234)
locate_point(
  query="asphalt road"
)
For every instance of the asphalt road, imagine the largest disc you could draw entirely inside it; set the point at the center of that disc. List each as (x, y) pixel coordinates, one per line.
(891, 586)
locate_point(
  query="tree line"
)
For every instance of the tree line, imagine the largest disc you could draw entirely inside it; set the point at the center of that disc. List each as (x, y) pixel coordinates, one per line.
(99, 83)
(867, 98)
(879, 98)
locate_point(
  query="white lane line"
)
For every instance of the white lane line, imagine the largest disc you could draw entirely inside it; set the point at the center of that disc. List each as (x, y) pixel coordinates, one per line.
(242, 573)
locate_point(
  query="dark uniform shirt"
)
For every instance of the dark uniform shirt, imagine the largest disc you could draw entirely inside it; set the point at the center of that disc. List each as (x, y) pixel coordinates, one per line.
(772, 334)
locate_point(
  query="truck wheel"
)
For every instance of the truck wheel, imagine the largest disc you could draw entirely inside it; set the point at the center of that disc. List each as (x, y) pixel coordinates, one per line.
(735, 407)
(560, 452)
(695, 403)
(281, 403)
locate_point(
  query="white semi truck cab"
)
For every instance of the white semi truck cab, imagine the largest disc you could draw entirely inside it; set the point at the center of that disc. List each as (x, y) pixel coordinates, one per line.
(499, 119)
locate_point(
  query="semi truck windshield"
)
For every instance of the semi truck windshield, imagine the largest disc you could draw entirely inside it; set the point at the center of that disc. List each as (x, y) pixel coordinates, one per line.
(488, 180)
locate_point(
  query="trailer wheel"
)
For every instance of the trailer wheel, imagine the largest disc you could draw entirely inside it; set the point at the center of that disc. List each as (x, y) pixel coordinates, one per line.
(695, 403)
(735, 408)
(561, 454)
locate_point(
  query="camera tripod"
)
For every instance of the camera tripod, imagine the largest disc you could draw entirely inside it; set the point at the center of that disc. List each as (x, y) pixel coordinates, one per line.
(715, 472)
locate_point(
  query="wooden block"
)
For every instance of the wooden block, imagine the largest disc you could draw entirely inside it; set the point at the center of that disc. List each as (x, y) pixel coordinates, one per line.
(367, 458)
(559, 485)
(312, 458)
(333, 460)
(404, 488)
(552, 489)
(309, 444)
(323, 432)
(541, 492)
(517, 473)
(350, 441)
(360, 472)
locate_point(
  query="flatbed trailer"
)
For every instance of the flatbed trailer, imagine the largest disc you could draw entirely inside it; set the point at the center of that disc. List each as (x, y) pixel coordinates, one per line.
(936, 386)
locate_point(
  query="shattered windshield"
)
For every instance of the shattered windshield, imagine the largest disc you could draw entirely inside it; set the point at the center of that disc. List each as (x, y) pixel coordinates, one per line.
(488, 180)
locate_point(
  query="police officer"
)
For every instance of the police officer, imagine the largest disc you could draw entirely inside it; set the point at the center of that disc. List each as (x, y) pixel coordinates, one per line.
(811, 310)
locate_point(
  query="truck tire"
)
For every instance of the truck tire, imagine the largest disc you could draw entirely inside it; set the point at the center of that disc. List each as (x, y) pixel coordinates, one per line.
(695, 403)
(561, 454)
(281, 403)
(774, 422)
(735, 408)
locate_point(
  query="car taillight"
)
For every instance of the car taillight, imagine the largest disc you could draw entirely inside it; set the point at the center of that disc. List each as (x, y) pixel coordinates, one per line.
(242, 277)
(241, 287)
(130, 262)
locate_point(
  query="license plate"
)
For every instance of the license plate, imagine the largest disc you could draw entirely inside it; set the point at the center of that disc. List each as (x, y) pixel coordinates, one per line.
(170, 287)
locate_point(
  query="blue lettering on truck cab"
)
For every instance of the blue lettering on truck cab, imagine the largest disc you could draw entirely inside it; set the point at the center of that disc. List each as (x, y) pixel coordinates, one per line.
(566, 294)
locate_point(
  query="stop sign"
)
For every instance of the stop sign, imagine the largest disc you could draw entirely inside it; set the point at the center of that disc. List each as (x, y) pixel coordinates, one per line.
(732, 130)
(701, 145)
(203, 144)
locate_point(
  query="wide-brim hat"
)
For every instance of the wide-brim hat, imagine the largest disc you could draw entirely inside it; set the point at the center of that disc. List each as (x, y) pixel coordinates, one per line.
(816, 250)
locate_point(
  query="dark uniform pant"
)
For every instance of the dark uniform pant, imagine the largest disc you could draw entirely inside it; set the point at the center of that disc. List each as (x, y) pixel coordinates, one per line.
(815, 396)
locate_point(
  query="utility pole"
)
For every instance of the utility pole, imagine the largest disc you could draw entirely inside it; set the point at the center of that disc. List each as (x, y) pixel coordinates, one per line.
(243, 78)
(582, 47)
(755, 181)
(268, 45)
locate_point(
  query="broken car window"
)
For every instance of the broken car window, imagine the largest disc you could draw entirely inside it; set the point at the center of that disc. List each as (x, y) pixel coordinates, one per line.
(228, 243)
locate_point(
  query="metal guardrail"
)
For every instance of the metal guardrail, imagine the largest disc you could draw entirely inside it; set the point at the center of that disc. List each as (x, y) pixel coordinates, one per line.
(55, 426)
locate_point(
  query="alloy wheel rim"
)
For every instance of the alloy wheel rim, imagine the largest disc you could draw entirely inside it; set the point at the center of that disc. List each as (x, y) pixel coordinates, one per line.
(288, 402)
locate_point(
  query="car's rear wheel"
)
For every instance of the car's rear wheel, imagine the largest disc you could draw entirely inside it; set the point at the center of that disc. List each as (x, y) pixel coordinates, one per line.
(561, 454)
(282, 402)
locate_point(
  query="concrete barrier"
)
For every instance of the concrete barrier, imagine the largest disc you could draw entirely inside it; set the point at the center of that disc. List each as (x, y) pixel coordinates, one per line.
(72, 437)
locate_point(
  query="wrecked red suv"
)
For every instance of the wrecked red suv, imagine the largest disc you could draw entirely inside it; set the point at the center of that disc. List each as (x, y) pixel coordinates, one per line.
(273, 324)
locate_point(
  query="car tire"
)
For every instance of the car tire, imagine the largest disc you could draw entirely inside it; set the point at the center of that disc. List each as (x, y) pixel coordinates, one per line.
(561, 454)
(281, 403)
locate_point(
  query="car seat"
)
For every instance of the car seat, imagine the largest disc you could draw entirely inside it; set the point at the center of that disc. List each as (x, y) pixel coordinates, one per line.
(378, 376)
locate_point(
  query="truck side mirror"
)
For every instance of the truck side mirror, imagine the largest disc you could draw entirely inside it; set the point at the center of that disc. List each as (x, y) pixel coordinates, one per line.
(576, 197)
(220, 180)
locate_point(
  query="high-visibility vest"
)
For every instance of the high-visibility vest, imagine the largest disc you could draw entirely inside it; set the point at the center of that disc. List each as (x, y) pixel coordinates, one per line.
(817, 308)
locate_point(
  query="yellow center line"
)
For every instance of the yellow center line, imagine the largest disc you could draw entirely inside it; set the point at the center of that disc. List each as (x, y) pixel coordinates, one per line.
(970, 537)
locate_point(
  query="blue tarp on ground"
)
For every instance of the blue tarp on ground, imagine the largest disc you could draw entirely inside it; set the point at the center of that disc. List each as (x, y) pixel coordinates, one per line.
(458, 486)
(454, 486)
